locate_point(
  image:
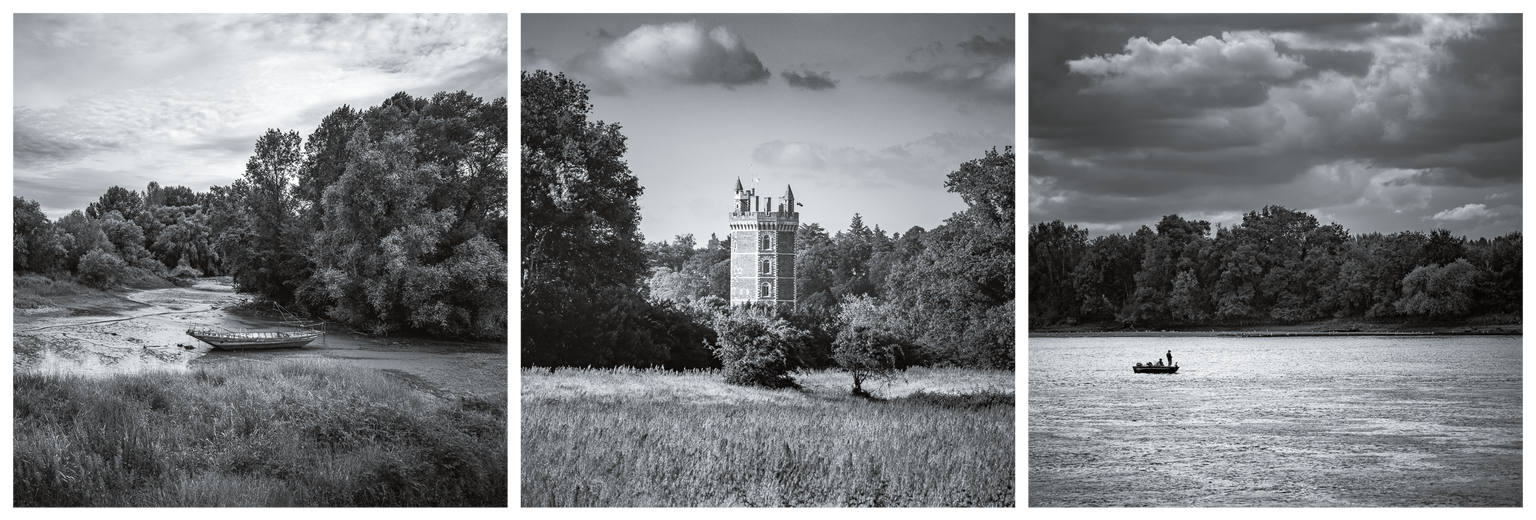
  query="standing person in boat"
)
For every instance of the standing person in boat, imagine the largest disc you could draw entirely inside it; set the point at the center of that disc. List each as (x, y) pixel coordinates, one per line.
(1170, 358)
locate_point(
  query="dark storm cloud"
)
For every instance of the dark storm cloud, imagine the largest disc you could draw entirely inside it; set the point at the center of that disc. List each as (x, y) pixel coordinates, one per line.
(809, 80)
(1371, 117)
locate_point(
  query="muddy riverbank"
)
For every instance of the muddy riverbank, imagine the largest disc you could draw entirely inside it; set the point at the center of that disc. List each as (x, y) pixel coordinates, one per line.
(146, 330)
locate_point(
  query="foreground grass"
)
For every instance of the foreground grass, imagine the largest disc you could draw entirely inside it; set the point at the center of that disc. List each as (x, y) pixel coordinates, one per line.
(290, 434)
(656, 438)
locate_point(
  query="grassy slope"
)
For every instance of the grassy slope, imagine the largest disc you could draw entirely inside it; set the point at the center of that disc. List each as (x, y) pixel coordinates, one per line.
(289, 434)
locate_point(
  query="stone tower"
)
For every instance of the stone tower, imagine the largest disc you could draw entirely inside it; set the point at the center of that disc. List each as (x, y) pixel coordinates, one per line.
(763, 249)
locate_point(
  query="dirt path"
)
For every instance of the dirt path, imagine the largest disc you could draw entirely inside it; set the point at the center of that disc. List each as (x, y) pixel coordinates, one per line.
(145, 330)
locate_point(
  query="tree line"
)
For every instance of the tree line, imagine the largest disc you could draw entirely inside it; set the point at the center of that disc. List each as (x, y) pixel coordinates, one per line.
(1277, 266)
(384, 219)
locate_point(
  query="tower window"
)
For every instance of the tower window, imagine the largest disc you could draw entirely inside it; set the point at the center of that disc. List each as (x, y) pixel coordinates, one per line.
(767, 243)
(767, 266)
(765, 290)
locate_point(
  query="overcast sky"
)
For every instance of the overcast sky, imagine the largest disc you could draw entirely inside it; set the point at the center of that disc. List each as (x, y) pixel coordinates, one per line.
(860, 113)
(104, 100)
(1379, 123)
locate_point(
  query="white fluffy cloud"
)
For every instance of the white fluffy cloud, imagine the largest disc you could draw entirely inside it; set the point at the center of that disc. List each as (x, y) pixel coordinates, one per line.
(1467, 212)
(680, 53)
(1209, 61)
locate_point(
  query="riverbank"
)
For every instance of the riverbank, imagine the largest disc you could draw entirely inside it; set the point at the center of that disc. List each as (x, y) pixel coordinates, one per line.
(285, 434)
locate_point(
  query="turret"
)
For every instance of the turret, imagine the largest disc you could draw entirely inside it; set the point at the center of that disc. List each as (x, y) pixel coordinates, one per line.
(789, 199)
(741, 205)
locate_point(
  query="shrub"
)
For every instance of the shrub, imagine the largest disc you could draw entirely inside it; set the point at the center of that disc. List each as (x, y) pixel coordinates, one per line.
(754, 347)
(183, 270)
(101, 269)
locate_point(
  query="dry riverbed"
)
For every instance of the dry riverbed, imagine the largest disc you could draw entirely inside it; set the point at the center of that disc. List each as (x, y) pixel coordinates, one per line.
(146, 330)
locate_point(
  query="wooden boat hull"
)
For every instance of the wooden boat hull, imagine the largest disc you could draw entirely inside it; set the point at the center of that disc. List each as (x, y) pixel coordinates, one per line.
(1155, 370)
(254, 340)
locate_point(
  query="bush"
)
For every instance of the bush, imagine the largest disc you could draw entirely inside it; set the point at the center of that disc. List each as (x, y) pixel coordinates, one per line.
(183, 270)
(101, 269)
(754, 347)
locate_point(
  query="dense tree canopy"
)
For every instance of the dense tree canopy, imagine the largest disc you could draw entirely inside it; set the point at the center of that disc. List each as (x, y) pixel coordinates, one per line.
(1277, 266)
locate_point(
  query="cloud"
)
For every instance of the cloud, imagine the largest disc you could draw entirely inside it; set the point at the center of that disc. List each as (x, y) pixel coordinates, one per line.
(49, 137)
(984, 73)
(979, 45)
(1234, 59)
(985, 82)
(923, 163)
(809, 80)
(1467, 212)
(679, 53)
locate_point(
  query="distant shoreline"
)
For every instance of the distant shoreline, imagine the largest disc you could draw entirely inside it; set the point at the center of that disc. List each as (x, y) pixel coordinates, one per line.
(1267, 333)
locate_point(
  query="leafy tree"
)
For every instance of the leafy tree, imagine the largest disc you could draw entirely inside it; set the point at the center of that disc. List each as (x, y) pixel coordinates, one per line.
(1105, 278)
(955, 298)
(126, 202)
(81, 235)
(1442, 248)
(1055, 250)
(1174, 251)
(179, 196)
(866, 347)
(1437, 291)
(325, 159)
(263, 246)
(37, 245)
(866, 352)
(1186, 300)
(126, 237)
(102, 269)
(580, 216)
(388, 254)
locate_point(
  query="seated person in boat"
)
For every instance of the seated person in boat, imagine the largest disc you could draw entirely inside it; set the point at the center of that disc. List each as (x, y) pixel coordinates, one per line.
(1138, 364)
(1159, 362)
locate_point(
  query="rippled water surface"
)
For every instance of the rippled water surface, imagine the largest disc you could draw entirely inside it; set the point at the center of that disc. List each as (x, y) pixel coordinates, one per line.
(1314, 421)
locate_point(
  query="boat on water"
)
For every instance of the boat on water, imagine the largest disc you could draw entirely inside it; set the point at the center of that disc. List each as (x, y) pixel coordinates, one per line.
(231, 340)
(1155, 369)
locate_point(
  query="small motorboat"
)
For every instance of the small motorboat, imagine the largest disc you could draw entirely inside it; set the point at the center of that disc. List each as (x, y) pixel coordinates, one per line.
(1155, 369)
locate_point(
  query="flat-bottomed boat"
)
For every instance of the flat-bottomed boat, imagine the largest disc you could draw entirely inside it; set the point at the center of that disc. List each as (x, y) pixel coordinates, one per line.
(254, 340)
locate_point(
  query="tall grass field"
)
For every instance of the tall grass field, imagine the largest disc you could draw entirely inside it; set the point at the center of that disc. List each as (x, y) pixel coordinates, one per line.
(296, 433)
(625, 437)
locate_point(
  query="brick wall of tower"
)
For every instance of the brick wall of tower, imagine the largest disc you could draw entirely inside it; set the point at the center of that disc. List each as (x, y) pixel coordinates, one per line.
(743, 262)
(748, 273)
(785, 270)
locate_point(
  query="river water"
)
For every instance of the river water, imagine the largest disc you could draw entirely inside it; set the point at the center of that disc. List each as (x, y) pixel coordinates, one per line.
(1276, 422)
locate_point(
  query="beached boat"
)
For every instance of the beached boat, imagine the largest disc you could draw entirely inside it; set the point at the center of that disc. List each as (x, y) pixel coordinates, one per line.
(253, 340)
(1153, 369)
